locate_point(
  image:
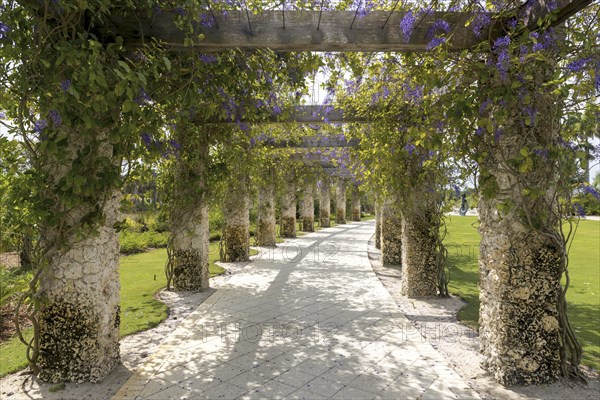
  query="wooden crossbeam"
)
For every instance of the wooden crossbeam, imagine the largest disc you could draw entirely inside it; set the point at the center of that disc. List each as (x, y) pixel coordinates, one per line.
(310, 115)
(316, 142)
(303, 32)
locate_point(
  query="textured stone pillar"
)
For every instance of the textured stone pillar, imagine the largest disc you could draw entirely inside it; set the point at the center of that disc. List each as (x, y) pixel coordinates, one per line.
(288, 207)
(391, 233)
(378, 226)
(79, 284)
(189, 215)
(307, 209)
(325, 203)
(419, 246)
(340, 202)
(266, 221)
(356, 212)
(236, 212)
(520, 263)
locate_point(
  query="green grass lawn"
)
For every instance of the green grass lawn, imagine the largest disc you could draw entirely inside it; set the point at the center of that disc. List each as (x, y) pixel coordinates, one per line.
(141, 275)
(583, 295)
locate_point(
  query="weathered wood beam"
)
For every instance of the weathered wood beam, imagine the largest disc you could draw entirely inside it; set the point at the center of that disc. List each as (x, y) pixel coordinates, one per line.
(316, 142)
(312, 114)
(532, 11)
(266, 30)
(302, 31)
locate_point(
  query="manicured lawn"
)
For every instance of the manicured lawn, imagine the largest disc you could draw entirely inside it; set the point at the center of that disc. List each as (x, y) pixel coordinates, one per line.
(142, 275)
(583, 295)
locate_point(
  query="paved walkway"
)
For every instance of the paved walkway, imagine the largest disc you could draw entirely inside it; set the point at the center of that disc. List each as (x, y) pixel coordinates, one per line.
(308, 320)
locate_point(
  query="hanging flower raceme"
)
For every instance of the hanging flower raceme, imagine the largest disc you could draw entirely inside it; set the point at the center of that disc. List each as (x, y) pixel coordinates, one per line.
(407, 25)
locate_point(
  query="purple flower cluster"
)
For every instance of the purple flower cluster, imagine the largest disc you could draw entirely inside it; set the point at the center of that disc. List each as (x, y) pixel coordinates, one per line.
(143, 97)
(435, 42)
(502, 58)
(543, 42)
(578, 65)
(179, 11)
(56, 118)
(531, 113)
(362, 7)
(65, 85)
(484, 106)
(4, 29)
(413, 94)
(39, 126)
(579, 210)
(481, 22)
(207, 58)
(410, 148)
(207, 21)
(588, 189)
(439, 26)
(407, 25)
(2, 115)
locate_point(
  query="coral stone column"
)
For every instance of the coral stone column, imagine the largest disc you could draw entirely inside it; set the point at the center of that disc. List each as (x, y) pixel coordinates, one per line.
(419, 246)
(355, 203)
(79, 284)
(266, 221)
(340, 202)
(189, 214)
(325, 203)
(307, 209)
(288, 207)
(521, 261)
(236, 212)
(391, 233)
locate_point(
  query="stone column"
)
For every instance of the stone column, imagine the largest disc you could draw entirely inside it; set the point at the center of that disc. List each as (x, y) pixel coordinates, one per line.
(521, 261)
(325, 203)
(265, 220)
(236, 212)
(356, 212)
(189, 214)
(307, 210)
(340, 202)
(419, 246)
(391, 233)
(288, 207)
(378, 225)
(79, 284)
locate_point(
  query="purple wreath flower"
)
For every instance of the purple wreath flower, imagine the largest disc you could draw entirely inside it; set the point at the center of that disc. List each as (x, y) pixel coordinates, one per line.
(40, 125)
(56, 118)
(579, 210)
(65, 85)
(4, 29)
(481, 22)
(578, 65)
(435, 42)
(407, 24)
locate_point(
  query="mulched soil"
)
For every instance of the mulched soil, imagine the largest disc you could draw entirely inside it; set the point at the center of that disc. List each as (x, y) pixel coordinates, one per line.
(7, 322)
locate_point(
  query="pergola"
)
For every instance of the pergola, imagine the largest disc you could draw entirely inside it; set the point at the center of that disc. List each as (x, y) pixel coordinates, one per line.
(322, 30)
(82, 267)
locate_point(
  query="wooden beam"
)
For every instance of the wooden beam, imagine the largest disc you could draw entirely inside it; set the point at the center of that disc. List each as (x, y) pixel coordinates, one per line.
(316, 142)
(302, 31)
(531, 11)
(312, 114)
(266, 30)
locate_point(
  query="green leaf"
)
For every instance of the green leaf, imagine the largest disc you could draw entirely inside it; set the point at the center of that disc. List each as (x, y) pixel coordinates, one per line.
(167, 63)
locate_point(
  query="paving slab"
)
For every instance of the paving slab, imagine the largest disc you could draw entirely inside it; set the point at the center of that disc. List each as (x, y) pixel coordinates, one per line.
(309, 319)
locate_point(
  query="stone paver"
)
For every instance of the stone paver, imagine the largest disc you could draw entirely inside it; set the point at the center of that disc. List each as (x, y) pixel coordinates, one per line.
(308, 319)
